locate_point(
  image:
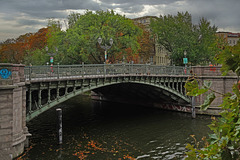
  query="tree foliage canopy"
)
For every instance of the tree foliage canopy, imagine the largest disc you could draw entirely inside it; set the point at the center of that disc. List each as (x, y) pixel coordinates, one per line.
(84, 30)
(230, 59)
(146, 43)
(177, 34)
(79, 43)
(22, 48)
(224, 142)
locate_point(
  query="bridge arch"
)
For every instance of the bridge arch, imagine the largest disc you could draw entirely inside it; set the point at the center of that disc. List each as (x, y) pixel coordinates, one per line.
(165, 85)
(47, 86)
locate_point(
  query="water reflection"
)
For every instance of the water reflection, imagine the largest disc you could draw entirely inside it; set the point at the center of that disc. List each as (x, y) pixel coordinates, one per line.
(108, 131)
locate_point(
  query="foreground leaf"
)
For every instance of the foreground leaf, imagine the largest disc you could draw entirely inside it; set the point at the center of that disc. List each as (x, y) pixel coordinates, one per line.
(192, 88)
(208, 101)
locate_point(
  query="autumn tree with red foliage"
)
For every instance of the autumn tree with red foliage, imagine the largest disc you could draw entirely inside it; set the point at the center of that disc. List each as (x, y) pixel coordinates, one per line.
(15, 50)
(146, 44)
(38, 40)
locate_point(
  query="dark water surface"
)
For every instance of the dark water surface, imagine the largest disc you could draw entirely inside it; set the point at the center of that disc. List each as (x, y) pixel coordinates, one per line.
(107, 131)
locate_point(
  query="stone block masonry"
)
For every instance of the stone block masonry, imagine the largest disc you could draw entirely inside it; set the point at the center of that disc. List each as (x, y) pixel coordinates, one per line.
(13, 130)
(221, 84)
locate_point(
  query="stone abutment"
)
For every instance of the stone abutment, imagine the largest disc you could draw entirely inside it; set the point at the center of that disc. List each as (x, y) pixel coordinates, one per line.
(13, 129)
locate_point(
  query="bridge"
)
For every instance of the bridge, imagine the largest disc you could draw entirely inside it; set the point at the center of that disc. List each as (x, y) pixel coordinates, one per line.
(26, 92)
(49, 86)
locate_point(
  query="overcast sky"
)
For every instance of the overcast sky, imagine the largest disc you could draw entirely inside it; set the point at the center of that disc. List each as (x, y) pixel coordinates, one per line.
(18, 17)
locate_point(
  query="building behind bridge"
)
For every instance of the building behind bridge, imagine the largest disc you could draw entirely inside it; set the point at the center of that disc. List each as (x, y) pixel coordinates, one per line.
(231, 38)
(159, 55)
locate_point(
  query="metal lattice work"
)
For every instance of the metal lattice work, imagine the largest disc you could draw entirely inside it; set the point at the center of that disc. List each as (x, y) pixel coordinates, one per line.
(61, 71)
(49, 86)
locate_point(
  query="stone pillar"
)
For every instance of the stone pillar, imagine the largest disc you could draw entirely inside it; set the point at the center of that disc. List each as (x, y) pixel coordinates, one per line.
(13, 130)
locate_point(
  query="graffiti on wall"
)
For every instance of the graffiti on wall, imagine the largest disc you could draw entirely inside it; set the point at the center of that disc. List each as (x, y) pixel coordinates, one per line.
(5, 73)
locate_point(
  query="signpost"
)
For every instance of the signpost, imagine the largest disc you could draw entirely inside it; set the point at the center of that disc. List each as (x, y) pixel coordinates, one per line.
(51, 58)
(185, 61)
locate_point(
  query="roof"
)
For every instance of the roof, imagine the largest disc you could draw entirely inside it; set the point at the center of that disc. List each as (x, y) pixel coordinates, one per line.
(144, 17)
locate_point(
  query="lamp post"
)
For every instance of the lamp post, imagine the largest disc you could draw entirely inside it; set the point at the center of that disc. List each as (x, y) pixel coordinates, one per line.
(51, 58)
(105, 47)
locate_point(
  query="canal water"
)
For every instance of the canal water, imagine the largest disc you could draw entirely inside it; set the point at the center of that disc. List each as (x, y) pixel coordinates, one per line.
(108, 131)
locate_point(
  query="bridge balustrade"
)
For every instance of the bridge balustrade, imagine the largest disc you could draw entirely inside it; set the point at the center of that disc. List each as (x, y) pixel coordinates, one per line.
(62, 71)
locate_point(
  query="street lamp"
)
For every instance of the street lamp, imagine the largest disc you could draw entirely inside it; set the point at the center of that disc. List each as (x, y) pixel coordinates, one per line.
(105, 47)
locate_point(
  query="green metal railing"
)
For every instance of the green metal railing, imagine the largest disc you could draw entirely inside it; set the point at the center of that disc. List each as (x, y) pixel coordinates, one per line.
(61, 71)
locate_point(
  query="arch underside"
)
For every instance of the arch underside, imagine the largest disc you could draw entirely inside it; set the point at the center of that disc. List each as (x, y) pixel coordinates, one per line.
(148, 89)
(141, 93)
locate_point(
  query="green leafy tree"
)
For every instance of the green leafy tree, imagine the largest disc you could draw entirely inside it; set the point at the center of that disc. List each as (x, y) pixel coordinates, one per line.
(177, 34)
(56, 41)
(230, 59)
(73, 18)
(224, 142)
(84, 30)
(206, 47)
(36, 57)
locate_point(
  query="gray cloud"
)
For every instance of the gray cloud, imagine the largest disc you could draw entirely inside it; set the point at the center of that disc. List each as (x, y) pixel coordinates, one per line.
(17, 16)
(140, 2)
(27, 22)
(222, 13)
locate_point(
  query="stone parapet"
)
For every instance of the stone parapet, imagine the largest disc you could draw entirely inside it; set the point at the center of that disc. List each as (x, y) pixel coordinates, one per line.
(209, 71)
(12, 110)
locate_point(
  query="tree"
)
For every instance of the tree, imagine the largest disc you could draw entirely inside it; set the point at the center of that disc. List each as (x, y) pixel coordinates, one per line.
(206, 48)
(36, 57)
(224, 142)
(56, 39)
(230, 59)
(177, 34)
(13, 50)
(23, 48)
(83, 33)
(146, 43)
(35, 53)
(72, 19)
(38, 40)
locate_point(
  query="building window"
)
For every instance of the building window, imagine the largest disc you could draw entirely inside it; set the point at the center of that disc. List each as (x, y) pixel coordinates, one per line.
(151, 59)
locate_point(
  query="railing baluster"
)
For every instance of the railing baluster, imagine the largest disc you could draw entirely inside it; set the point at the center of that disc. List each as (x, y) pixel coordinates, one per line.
(58, 71)
(104, 69)
(30, 72)
(82, 69)
(33, 72)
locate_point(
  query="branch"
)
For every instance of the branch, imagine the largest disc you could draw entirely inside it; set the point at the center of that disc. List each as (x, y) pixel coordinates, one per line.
(216, 92)
(94, 57)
